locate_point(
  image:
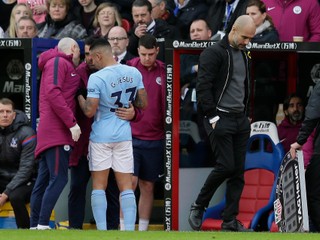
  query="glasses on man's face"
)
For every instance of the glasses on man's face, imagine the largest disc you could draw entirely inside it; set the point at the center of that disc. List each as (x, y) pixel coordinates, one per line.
(112, 39)
(103, 13)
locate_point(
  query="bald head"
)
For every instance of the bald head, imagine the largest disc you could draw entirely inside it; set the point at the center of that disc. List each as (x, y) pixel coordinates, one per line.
(118, 40)
(117, 30)
(65, 44)
(70, 46)
(243, 30)
(245, 21)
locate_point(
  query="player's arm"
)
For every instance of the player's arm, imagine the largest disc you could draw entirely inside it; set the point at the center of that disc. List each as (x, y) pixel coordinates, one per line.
(89, 106)
(141, 100)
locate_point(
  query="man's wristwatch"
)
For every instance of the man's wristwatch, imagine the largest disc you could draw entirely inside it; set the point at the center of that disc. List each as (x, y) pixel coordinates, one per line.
(214, 119)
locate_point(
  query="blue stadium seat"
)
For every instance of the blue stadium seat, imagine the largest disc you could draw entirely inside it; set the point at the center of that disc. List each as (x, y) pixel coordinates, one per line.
(263, 159)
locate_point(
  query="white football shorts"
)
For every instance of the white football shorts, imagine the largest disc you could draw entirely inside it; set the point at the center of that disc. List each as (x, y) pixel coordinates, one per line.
(118, 156)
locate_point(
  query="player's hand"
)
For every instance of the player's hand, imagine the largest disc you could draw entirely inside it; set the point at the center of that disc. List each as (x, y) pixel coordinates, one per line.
(294, 146)
(75, 132)
(126, 113)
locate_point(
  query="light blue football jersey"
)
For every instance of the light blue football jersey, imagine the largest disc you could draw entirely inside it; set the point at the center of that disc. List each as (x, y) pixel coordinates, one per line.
(115, 86)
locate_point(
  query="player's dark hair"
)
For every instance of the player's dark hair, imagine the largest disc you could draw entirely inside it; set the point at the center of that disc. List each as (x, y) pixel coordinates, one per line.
(148, 41)
(89, 40)
(99, 42)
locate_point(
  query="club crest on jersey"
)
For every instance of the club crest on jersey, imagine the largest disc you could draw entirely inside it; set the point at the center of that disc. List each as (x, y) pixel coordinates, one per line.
(13, 143)
(158, 80)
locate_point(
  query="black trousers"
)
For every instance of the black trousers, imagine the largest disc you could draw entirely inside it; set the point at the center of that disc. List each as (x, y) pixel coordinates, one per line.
(228, 141)
(18, 198)
(313, 185)
(80, 176)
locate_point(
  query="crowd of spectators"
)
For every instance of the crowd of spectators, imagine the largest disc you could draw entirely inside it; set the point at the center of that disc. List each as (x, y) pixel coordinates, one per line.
(59, 18)
(18, 11)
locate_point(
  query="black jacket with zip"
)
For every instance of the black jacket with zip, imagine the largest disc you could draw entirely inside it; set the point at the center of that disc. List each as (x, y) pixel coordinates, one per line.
(17, 161)
(312, 117)
(214, 76)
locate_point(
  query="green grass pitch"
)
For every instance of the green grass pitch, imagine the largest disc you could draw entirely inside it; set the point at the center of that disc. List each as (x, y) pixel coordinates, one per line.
(149, 235)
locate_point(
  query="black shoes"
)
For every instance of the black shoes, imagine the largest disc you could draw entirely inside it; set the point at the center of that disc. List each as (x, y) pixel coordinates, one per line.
(195, 216)
(234, 226)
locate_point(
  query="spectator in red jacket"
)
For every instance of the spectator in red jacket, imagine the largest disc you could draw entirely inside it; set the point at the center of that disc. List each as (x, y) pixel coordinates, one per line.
(289, 128)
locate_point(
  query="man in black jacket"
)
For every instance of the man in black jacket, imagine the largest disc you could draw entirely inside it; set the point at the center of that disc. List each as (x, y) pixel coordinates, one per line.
(143, 23)
(311, 121)
(17, 163)
(222, 95)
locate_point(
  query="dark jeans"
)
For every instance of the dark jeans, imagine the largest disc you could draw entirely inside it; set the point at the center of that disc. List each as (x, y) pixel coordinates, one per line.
(228, 141)
(18, 198)
(80, 176)
(51, 180)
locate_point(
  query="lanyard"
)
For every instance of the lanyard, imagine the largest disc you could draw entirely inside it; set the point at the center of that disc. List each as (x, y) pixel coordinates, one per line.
(229, 12)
